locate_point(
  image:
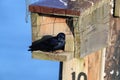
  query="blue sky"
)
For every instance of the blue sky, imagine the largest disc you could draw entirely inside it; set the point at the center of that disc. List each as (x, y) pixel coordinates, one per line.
(15, 37)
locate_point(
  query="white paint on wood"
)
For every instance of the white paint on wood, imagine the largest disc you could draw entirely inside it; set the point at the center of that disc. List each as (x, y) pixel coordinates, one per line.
(103, 64)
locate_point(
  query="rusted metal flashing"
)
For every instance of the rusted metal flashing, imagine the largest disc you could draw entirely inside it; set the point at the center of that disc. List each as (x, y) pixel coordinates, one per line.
(54, 11)
(54, 7)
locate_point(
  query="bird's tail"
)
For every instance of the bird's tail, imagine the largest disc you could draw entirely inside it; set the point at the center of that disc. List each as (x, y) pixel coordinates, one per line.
(29, 50)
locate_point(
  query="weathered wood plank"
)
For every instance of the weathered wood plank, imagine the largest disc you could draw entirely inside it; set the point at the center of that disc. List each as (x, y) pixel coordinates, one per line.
(112, 61)
(102, 73)
(76, 37)
(35, 25)
(62, 56)
(117, 8)
(94, 30)
(94, 65)
(90, 65)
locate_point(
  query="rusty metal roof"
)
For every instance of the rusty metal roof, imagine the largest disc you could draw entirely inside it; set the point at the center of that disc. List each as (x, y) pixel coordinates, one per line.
(52, 7)
(56, 7)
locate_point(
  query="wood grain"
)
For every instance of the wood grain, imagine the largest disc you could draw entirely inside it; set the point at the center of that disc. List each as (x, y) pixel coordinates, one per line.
(117, 8)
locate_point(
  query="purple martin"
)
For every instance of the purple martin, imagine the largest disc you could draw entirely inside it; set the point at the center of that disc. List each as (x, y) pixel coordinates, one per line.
(50, 44)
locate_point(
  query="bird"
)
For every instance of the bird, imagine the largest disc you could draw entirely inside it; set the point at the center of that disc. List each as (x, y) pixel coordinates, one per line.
(49, 45)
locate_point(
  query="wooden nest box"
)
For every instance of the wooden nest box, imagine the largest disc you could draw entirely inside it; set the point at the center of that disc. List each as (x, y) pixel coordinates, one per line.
(85, 27)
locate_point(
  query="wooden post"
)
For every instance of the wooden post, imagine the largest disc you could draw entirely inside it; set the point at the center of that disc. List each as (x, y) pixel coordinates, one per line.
(112, 58)
(91, 66)
(88, 66)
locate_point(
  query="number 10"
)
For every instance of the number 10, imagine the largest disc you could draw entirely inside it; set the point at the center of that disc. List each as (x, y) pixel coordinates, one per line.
(79, 76)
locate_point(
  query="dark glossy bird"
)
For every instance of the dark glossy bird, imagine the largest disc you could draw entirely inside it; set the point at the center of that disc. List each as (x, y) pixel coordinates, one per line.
(49, 45)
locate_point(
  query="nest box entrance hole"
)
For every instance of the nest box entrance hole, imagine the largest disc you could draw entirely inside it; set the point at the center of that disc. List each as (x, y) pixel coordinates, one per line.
(46, 25)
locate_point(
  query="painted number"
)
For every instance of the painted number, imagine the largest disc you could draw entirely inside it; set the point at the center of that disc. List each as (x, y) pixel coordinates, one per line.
(79, 76)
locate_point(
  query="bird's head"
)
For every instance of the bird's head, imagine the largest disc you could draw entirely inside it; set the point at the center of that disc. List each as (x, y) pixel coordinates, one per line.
(61, 36)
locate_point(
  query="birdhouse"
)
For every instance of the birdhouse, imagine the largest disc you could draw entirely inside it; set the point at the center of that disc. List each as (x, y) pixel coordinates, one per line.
(86, 29)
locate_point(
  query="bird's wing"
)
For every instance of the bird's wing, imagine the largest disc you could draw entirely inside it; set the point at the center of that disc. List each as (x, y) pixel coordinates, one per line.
(60, 45)
(51, 42)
